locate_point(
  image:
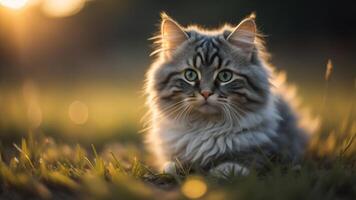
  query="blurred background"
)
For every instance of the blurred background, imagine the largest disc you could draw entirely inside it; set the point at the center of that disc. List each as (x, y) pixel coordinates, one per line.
(74, 69)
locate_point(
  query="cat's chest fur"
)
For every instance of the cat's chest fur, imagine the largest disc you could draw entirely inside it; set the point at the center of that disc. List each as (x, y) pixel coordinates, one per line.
(202, 142)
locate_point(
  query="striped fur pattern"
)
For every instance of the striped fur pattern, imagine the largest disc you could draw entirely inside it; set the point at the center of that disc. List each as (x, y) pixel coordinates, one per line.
(212, 103)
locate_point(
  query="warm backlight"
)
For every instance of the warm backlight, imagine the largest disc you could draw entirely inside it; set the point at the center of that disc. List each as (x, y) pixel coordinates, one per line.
(14, 4)
(62, 8)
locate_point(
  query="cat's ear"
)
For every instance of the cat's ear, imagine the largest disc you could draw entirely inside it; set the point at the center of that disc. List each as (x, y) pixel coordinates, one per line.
(172, 34)
(243, 36)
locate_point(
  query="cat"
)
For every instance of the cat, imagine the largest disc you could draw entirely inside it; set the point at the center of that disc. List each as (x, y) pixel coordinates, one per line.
(215, 102)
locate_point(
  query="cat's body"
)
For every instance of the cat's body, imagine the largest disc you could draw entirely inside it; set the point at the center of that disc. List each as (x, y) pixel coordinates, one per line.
(215, 102)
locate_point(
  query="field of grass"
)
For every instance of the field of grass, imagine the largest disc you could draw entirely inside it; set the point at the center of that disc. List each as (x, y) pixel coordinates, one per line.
(38, 167)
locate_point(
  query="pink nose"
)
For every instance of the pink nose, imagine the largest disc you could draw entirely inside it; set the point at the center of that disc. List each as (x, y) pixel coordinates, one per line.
(206, 93)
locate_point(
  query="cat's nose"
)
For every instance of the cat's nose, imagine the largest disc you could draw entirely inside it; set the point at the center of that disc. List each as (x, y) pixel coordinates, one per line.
(206, 93)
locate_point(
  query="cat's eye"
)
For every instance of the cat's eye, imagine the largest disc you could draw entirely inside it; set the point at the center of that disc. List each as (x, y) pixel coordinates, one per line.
(224, 76)
(191, 75)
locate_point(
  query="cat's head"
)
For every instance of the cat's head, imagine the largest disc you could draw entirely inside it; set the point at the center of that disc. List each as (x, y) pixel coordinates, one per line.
(208, 73)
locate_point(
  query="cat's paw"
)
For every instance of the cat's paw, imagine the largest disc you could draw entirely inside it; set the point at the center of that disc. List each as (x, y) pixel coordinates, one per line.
(229, 169)
(170, 168)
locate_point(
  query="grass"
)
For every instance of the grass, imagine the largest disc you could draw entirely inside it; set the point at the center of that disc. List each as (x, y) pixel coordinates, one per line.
(41, 168)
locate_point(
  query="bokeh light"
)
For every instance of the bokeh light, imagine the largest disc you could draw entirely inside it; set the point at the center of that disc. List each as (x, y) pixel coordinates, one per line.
(194, 187)
(62, 8)
(78, 112)
(14, 4)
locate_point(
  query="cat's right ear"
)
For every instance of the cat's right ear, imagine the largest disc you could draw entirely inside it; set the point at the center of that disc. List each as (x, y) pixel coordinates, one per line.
(244, 35)
(172, 35)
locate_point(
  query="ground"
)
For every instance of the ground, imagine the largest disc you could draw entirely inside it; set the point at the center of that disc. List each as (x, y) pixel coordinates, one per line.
(40, 168)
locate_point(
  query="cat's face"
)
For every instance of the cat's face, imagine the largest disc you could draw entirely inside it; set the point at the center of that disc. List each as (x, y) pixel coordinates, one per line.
(209, 74)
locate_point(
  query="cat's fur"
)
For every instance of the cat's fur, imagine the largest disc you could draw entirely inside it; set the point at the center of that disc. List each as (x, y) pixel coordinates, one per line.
(244, 122)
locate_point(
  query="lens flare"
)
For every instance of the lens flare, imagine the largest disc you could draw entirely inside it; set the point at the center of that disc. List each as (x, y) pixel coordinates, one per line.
(78, 112)
(62, 8)
(194, 188)
(14, 4)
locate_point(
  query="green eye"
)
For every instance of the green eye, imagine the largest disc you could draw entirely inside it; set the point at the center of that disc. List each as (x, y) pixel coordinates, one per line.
(190, 75)
(225, 76)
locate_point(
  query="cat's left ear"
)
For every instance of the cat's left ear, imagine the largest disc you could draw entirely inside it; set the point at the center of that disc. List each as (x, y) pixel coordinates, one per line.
(172, 35)
(243, 36)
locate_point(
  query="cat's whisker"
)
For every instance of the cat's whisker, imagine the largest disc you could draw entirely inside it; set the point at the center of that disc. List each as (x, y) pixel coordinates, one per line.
(234, 110)
(231, 117)
(187, 108)
(182, 113)
(178, 107)
(188, 112)
(237, 116)
(169, 108)
(173, 111)
(237, 107)
(232, 114)
(225, 111)
(176, 117)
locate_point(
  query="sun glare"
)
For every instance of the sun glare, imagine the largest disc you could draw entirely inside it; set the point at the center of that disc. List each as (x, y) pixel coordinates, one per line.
(62, 8)
(14, 4)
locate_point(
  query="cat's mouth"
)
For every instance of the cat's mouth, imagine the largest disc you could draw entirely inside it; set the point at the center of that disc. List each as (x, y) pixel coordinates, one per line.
(206, 107)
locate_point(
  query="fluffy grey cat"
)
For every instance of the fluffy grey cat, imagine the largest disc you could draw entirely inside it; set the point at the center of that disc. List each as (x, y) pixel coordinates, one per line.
(214, 101)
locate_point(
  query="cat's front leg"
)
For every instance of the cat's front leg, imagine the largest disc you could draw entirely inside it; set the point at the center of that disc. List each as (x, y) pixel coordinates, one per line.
(170, 168)
(227, 169)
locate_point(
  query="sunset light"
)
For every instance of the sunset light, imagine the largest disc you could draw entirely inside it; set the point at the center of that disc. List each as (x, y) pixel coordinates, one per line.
(123, 99)
(62, 8)
(14, 4)
(51, 8)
